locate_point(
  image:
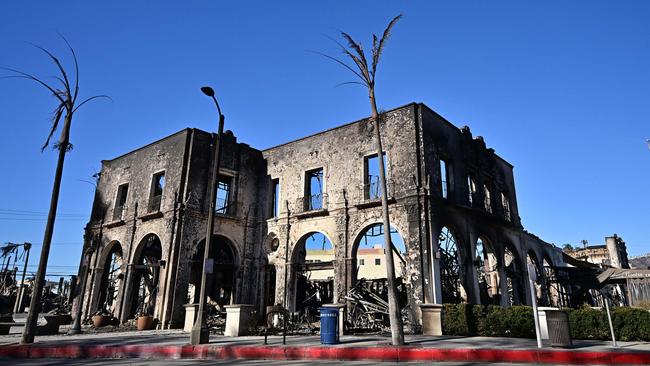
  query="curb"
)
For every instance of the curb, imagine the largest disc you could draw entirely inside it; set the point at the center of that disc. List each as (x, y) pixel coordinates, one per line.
(389, 353)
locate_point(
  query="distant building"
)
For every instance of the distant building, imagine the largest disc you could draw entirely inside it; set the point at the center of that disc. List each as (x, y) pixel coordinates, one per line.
(611, 254)
(371, 263)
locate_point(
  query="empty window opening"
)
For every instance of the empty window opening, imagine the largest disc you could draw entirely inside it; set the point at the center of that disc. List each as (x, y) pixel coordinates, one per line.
(275, 186)
(471, 188)
(120, 202)
(506, 207)
(377, 261)
(362, 262)
(223, 195)
(487, 199)
(372, 185)
(314, 190)
(157, 188)
(444, 179)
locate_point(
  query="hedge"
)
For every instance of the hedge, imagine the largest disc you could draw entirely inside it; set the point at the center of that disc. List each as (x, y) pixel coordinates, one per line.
(630, 324)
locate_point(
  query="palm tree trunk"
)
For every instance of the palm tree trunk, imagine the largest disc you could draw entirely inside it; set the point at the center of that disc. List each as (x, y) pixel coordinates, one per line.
(34, 304)
(394, 313)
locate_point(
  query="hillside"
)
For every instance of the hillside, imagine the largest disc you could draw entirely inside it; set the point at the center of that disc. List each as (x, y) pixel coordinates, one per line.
(642, 261)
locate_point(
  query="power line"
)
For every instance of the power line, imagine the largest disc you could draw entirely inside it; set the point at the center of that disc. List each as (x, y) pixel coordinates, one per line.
(12, 211)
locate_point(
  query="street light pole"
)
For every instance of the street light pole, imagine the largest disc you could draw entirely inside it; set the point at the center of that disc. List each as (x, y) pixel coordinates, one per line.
(200, 333)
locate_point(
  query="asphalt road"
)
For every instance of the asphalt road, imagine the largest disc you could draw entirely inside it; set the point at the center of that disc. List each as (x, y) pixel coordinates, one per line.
(139, 362)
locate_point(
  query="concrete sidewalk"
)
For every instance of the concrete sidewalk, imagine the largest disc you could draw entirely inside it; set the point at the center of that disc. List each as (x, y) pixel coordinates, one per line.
(174, 344)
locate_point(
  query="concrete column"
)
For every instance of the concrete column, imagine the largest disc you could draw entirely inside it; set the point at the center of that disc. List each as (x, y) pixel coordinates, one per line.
(237, 320)
(431, 319)
(612, 249)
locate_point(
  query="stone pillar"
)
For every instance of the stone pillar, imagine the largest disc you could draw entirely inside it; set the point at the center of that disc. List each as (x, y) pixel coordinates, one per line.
(237, 320)
(612, 249)
(431, 319)
(436, 283)
(190, 316)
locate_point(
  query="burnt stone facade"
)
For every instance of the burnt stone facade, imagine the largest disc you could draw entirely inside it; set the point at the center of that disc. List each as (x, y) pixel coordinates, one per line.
(451, 199)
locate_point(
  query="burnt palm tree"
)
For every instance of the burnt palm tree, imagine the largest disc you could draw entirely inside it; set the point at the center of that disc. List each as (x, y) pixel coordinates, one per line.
(66, 92)
(366, 73)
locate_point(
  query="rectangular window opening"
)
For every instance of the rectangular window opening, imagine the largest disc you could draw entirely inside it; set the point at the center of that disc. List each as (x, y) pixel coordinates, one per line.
(506, 207)
(362, 262)
(157, 188)
(314, 190)
(224, 185)
(372, 185)
(487, 199)
(377, 261)
(275, 191)
(471, 187)
(444, 179)
(120, 202)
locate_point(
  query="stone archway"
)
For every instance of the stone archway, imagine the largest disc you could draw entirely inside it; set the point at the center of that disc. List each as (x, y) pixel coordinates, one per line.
(145, 277)
(112, 278)
(487, 272)
(311, 277)
(221, 279)
(531, 261)
(450, 267)
(368, 275)
(513, 276)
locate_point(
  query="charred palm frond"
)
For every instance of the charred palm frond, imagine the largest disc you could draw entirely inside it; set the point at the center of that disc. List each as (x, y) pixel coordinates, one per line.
(354, 51)
(66, 94)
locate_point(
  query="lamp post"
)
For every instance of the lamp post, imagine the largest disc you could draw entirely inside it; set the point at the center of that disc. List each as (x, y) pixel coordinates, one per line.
(200, 333)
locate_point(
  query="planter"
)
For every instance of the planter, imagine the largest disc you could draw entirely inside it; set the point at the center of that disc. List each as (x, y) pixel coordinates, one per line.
(145, 322)
(101, 320)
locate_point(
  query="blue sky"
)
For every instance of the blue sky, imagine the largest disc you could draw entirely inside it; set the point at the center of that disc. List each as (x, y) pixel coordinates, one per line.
(560, 89)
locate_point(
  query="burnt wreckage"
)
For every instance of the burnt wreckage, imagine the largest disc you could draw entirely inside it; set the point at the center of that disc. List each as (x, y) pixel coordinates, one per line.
(299, 224)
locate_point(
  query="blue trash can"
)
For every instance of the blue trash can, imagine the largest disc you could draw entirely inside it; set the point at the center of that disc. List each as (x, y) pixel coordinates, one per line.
(329, 324)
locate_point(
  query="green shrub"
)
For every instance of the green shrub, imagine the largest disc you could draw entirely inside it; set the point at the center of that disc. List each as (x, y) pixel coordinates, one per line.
(588, 323)
(630, 324)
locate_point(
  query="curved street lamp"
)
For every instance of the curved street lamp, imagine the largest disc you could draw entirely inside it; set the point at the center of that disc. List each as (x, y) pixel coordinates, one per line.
(200, 333)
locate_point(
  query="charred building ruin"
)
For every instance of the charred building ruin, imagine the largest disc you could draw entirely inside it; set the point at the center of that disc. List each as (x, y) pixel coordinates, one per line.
(298, 222)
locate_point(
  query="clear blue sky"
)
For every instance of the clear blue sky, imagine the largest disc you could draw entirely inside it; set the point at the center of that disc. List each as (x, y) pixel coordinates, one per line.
(560, 89)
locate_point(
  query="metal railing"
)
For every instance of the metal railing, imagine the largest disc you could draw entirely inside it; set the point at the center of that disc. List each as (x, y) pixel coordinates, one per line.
(371, 190)
(117, 213)
(312, 202)
(154, 204)
(224, 207)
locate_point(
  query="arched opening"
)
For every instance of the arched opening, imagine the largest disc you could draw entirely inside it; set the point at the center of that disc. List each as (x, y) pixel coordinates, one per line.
(533, 264)
(146, 274)
(485, 260)
(369, 276)
(312, 276)
(513, 274)
(556, 294)
(220, 280)
(112, 277)
(452, 289)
